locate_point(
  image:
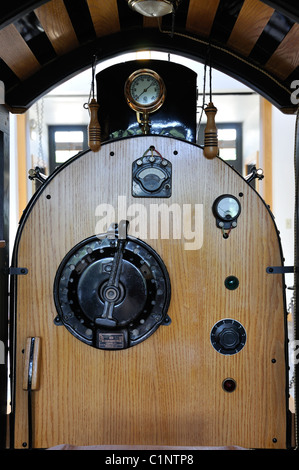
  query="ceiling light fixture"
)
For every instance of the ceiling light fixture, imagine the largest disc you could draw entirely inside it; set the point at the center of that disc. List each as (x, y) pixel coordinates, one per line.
(153, 8)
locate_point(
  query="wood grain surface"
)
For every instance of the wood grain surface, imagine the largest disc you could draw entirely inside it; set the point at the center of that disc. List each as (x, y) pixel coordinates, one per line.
(166, 390)
(284, 65)
(16, 53)
(58, 26)
(253, 17)
(201, 16)
(104, 16)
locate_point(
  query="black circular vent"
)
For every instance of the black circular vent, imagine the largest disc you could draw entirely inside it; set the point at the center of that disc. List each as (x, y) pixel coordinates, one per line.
(112, 293)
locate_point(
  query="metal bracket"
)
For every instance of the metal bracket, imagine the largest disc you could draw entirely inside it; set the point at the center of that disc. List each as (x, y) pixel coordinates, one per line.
(255, 173)
(280, 269)
(17, 271)
(36, 174)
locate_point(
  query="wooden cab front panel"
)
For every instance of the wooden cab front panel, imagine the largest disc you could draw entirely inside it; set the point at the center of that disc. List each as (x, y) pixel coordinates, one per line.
(168, 389)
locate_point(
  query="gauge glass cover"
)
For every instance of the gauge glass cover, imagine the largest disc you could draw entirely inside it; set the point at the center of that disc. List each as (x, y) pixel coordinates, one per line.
(228, 208)
(145, 91)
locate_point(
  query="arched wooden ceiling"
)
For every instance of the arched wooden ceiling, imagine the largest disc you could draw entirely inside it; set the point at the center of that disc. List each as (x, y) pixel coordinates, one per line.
(43, 43)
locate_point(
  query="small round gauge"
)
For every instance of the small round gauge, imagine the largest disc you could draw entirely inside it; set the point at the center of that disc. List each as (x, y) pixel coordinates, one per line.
(145, 91)
(227, 208)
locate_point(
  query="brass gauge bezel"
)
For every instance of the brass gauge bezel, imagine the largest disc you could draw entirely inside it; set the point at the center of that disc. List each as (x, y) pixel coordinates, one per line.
(143, 107)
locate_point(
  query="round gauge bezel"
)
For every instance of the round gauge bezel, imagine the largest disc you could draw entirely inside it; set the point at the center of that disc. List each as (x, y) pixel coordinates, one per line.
(215, 207)
(141, 107)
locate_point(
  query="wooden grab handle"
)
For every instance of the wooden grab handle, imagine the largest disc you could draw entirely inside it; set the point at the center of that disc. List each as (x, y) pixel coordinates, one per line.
(32, 363)
(94, 129)
(211, 138)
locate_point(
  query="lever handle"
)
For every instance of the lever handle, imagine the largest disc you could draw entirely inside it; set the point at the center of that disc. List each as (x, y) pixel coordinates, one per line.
(211, 139)
(32, 364)
(94, 129)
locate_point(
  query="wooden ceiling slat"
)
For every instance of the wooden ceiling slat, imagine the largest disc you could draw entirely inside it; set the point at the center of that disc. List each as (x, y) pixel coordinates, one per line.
(74, 29)
(104, 16)
(35, 37)
(57, 25)
(201, 15)
(273, 34)
(16, 53)
(285, 59)
(251, 21)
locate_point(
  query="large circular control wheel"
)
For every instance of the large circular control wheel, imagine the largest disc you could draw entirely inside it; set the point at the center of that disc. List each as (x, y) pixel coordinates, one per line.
(112, 293)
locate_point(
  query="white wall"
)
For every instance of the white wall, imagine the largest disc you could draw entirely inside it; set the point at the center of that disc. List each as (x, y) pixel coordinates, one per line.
(283, 140)
(251, 131)
(52, 110)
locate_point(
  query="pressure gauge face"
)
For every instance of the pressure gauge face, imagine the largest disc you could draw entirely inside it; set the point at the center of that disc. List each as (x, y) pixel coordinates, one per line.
(145, 91)
(226, 208)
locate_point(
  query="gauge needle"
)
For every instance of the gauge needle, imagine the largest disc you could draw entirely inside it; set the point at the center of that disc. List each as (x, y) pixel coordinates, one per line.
(145, 90)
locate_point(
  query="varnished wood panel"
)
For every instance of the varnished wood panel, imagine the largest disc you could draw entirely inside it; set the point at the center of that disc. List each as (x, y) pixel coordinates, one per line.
(57, 25)
(286, 57)
(265, 152)
(104, 16)
(168, 389)
(16, 54)
(201, 16)
(250, 23)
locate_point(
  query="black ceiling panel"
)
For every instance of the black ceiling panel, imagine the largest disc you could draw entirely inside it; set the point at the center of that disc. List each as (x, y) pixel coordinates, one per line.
(225, 18)
(289, 8)
(15, 9)
(128, 18)
(179, 18)
(80, 17)
(7, 75)
(275, 31)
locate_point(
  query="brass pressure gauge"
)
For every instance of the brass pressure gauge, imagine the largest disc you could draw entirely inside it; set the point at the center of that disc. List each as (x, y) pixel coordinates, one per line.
(145, 91)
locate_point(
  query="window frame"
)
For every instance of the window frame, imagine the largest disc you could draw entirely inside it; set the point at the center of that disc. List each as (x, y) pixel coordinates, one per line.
(52, 147)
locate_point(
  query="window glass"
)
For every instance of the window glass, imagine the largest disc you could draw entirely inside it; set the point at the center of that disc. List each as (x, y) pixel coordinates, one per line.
(65, 142)
(227, 141)
(69, 136)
